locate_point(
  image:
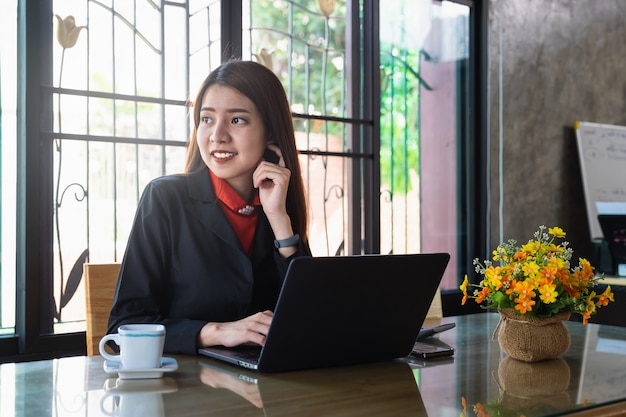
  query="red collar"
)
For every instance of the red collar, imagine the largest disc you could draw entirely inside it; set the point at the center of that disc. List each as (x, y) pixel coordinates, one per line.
(230, 199)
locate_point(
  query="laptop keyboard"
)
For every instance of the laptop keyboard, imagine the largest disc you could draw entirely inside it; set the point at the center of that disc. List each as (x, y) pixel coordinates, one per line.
(249, 353)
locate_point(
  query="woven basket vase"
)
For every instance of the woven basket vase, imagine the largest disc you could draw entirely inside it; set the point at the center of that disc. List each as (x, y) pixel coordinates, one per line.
(532, 339)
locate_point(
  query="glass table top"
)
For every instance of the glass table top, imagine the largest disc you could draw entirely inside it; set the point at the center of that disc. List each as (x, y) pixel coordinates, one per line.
(478, 377)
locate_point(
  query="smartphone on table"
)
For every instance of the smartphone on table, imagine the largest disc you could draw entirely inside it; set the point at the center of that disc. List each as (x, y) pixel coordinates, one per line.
(428, 350)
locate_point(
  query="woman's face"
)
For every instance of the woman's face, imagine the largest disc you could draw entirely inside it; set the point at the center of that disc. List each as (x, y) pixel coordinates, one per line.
(231, 137)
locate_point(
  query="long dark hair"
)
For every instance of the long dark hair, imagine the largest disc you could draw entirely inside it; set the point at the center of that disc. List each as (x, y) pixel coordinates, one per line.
(265, 90)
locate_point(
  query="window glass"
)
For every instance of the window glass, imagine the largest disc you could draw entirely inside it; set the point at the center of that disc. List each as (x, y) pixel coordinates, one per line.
(118, 93)
(304, 43)
(8, 133)
(424, 53)
(120, 119)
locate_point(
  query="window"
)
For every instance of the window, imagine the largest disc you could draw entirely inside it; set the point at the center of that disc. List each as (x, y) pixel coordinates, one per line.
(8, 104)
(425, 104)
(382, 170)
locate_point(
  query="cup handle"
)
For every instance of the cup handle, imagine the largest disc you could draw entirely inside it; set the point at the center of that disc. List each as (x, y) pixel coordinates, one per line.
(103, 351)
(103, 408)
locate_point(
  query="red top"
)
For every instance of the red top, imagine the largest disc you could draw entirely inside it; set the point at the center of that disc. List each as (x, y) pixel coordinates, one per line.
(241, 215)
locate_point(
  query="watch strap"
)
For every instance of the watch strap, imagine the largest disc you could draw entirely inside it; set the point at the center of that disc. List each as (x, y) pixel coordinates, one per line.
(290, 241)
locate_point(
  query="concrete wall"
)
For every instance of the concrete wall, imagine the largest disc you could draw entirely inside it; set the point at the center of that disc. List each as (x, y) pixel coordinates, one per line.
(551, 63)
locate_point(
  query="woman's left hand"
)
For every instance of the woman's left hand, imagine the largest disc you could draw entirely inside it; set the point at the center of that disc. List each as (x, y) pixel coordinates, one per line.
(272, 180)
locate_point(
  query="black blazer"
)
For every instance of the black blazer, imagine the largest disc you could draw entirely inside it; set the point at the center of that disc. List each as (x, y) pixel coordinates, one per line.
(184, 265)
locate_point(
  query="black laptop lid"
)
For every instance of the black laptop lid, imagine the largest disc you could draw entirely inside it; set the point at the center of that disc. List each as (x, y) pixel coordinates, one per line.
(350, 309)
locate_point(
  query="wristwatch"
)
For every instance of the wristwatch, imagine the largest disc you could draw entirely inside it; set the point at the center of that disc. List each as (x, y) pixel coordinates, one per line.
(290, 241)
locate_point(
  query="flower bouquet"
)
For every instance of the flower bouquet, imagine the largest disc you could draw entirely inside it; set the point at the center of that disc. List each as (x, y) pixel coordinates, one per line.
(537, 280)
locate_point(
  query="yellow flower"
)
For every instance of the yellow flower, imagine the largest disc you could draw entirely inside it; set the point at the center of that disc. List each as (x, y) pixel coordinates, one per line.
(556, 232)
(547, 293)
(67, 31)
(463, 288)
(492, 275)
(531, 269)
(531, 247)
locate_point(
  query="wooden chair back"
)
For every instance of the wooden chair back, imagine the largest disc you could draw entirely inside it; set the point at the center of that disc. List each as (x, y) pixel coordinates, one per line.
(435, 311)
(100, 282)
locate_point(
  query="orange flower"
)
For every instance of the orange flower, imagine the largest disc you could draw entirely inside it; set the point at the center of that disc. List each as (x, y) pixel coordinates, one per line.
(586, 267)
(511, 288)
(524, 290)
(482, 294)
(524, 305)
(547, 274)
(573, 292)
(606, 296)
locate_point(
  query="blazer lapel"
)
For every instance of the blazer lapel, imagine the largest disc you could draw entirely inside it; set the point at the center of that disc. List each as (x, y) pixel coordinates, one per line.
(206, 208)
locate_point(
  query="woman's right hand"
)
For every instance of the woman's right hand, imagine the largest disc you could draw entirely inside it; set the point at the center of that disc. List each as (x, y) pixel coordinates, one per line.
(250, 330)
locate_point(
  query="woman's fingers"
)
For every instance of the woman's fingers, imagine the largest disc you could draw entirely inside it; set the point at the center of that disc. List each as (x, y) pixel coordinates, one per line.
(252, 329)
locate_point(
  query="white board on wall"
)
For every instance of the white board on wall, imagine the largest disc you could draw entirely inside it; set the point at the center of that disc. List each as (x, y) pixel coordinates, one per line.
(602, 151)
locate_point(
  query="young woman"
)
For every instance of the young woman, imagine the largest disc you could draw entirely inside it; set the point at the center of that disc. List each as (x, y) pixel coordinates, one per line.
(209, 248)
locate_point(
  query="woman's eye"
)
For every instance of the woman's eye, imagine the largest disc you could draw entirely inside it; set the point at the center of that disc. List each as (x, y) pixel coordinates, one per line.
(238, 120)
(205, 119)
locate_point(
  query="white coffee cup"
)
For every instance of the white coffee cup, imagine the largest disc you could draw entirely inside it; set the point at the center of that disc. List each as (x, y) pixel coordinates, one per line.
(141, 346)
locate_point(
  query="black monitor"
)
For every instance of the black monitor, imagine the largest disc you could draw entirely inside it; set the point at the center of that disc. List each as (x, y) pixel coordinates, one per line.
(614, 231)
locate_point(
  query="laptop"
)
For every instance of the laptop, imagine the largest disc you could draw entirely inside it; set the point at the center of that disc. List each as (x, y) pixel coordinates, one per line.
(344, 310)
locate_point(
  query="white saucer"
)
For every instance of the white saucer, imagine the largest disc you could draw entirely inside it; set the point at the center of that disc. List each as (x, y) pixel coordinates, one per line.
(142, 386)
(167, 365)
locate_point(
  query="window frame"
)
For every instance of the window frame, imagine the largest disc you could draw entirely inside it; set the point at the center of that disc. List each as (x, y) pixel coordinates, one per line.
(33, 338)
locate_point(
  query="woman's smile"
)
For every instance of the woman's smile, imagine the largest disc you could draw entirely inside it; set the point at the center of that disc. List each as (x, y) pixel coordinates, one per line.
(222, 156)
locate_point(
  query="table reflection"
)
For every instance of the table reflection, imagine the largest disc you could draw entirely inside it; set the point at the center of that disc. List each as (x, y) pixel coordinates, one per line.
(377, 389)
(245, 386)
(527, 389)
(135, 397)
(590, 373)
